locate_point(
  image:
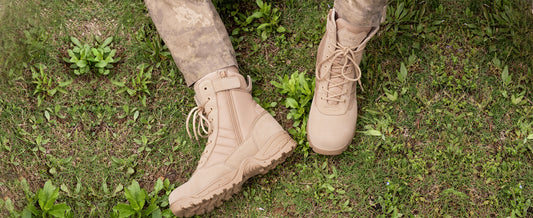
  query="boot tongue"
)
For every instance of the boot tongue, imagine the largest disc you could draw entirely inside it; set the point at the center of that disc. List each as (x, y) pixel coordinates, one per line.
(347, 36)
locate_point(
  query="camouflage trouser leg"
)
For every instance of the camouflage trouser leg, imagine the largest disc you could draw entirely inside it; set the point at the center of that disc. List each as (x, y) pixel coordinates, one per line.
(362, 13)
(194, 34)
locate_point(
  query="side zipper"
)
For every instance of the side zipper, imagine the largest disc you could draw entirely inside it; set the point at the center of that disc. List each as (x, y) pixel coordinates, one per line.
(233, 117)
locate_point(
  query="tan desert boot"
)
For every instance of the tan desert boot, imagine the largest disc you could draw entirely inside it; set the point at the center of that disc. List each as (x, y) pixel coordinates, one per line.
(333, 115)
(243, 141)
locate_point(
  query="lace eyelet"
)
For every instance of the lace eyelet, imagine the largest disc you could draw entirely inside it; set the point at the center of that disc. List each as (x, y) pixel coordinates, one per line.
(205, 88)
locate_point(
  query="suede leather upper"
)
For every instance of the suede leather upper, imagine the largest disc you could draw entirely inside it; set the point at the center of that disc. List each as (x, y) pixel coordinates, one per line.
(333, 114)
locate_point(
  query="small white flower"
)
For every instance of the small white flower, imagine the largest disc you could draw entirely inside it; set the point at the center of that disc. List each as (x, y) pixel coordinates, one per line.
(387, 183)
(520, 186)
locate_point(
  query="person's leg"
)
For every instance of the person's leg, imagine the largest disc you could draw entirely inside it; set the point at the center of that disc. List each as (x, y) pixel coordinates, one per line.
(361, 13)
(194, 34)
(243, 139)
(333, 115)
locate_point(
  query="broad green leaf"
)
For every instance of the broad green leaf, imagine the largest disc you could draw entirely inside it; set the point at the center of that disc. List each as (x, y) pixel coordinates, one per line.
(506, 78)
(167, 213)
(372, 132)
(530, 137)
(143, 100)
(122, 90)
(119, 188)
(101, 64)
(111, 54)
(290, 102)
(392, 96)
(47, 196)
(81, 63)
(124, 210)
(51, 92)
(33, 210)
(65, 83)
(9, 205)
(157, 213)
(59, 210)
(26, 213)
(71, 54)
(98, 54)
(130, 171)
(65, 189)
(47, 115)
(75, 41)
(118, 83)
(104, 187)
(132, 92)
(263, 26)
(276, 84)
(149, 209)
(402, 75)
(259, 3)
(135, 196)
(131, 199)
(158, 185)
(264, 35)
(107, 41)
(255, 15)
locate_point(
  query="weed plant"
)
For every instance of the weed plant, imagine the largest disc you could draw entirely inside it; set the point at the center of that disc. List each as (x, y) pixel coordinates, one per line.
(299, 89)
(84, 57)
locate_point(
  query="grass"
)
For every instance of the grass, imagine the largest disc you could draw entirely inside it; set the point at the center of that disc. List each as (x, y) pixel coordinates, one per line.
(451, 134)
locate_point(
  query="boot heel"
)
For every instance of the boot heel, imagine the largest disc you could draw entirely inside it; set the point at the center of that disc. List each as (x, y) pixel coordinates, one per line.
(273, 153)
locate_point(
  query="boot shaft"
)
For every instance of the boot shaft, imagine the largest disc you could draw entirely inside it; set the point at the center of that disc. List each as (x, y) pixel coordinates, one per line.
(234, 117)
(337, 69)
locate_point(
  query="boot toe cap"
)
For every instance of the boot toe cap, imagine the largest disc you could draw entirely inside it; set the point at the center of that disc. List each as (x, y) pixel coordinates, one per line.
(204, 186)
(328, 143)
(330, 134)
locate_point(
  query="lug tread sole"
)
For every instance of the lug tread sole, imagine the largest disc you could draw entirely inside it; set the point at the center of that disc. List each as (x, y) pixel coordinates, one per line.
(217, 197)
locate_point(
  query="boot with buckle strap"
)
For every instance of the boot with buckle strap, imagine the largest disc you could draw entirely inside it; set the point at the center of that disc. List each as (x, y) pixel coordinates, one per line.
(243, 140)
(333, 115)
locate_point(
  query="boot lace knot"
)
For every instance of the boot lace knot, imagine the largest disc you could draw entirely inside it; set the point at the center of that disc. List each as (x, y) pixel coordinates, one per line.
(342, 59)
(201, 125)
(338, 73)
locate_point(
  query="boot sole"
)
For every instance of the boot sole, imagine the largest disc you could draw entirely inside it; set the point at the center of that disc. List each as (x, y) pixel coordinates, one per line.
(326, 152)
(258, 164)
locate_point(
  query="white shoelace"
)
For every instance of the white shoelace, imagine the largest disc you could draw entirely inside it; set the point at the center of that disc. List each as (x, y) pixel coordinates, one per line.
(201, 126)
(344, 56)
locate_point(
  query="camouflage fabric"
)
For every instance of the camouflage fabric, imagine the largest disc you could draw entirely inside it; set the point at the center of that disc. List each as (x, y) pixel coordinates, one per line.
(199, 42)
(362, 13)
(194, 34)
